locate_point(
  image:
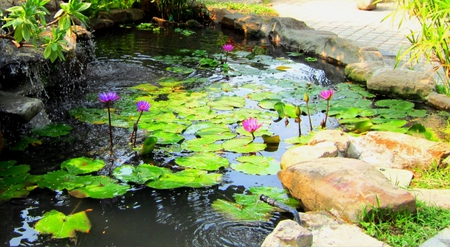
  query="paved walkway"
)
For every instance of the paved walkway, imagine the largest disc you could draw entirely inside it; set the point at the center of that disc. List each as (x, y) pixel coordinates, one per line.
(347, 21)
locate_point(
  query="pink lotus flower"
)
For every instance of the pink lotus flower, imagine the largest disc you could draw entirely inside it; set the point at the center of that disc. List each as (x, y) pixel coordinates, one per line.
(108, 97)
(143, 106)
(327, 94)
(227, 47)
(251, 125)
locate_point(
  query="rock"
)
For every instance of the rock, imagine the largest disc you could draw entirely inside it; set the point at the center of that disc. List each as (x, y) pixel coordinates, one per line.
(439, 101)
(24, 107)
(442, 239)
(343, 186)
(122, 15)
(339, 138)
(399, 177)
(433, 197)
(404, 84)
(344, 51)
(397, 150)
(366, 4)
(361, 72)
(304, 153)
(250, 25)
(288, 233)
(99, 23)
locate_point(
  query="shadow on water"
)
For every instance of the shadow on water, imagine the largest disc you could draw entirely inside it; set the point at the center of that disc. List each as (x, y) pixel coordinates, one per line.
(143, 216)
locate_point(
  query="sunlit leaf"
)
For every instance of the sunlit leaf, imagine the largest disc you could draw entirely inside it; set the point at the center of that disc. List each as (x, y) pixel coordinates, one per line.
(101, 188)
(140, 174)
(167, 137)
(60, 180)
(397, 104)
(60, 225)
(243, 145)
(148, 145)
(203, 161)
(82, 165)
(187, 178)
(257, 165)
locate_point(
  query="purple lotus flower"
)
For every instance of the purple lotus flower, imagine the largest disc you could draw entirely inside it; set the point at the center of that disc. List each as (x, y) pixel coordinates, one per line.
(327, 94)
(143, 106)
(108, 97)
(227, 47)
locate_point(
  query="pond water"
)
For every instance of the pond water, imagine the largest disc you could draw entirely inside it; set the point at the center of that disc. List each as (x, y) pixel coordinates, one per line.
(158, 217)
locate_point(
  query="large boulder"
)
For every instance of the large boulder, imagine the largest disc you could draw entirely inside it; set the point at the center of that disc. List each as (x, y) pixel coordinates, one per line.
(397, 150)
(288, 233)
(304, 153)
(345, 187)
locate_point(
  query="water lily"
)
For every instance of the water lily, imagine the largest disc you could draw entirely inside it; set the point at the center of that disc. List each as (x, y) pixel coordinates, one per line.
(108, 98)
(251, 125)
(227, 48)
(326, 95)
(141, 107)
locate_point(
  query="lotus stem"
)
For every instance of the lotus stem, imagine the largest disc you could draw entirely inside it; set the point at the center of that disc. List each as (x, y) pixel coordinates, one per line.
(110, 128)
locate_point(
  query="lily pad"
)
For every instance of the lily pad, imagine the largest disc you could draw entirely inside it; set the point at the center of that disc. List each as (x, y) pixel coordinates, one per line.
(205, 144)
(227, 103)
(243, 145)
(60, 225)
(187, 178)
(257, 165)
(203, 161)
(53, 130)
(148, 145)
(60, 180)
(165, 137)
(395, 104)
(101, 188)
(83, 165)
(140, 174)
(13, 170)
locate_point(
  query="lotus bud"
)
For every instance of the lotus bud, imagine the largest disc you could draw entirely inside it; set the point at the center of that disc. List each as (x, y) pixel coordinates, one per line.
(297, 111)
(306, 97)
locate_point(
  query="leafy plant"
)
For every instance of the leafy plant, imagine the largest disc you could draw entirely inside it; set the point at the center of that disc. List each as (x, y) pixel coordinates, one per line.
(432, 41)
(435, 177)
(60, 225)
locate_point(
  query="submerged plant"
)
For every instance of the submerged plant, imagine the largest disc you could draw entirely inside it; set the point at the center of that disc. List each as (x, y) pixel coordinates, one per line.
(251, 125)
(227, 48)
(326, 95)
(108, 98)
(141, 107)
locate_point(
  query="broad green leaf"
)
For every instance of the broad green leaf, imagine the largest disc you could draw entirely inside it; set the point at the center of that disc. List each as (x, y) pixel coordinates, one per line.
(16, 170)
(53, 130)
(227, 103)
(140, 174)
(61, 180)
(102, 188)
(187, 178)
(397, 104)
(268, 104)
(82, 165)
(203, 161)
(167, 137)
(204, 144)
(235, 211)
(148, 145)
(257, 165)
(243, 145)
(60, 225)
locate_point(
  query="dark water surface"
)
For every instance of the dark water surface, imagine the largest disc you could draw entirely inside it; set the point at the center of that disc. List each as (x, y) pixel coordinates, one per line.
(143, 216)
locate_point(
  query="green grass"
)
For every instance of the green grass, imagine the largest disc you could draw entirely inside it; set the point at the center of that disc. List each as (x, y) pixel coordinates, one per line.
(405, 228)
(245, 8)
(436, 177)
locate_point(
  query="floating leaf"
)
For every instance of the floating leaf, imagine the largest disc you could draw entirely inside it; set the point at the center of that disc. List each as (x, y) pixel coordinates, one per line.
(167, 137)
(62, 226)
(101, 188)
(397, 104)
(203, 161)
(187, 178)
(15, 170)
(257, 165)
(82, 165)
(243, 145)
(268, 104)
(53, 130)
(24, 142)
(283, 68)
(271, 139)
(181, 70)
(227, 103)
(205, 144)
(420, 131)
(140, 174)
(60, 180)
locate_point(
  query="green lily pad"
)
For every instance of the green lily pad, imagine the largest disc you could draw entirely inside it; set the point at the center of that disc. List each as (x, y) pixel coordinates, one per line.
(187, 178)
(21, 190)
(140, 174)
(203, 161)
(264, 95)
(91, 115)
(165, 137)
(268, 104)
(101, 188)
(24, 142)
(257, 165)
(53, 130)
(60, 180)
(148, 145)
(147, 87)
(181, 70)
(395, 104)
(166, 126)
(13, 170)
(61, 225)
(82, 165)
(243, 145)
(227, 103)
(205, 144)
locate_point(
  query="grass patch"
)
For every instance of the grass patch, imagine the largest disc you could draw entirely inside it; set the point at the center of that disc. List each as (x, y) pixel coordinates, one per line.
(244, 8)
(405, 228)
(435, 177)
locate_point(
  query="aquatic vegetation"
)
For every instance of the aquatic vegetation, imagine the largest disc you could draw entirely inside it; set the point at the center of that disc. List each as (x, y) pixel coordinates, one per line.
(326, 95)
(227, 48)
(306, 99)
(108, 98)
(141, 107)
(60, 225)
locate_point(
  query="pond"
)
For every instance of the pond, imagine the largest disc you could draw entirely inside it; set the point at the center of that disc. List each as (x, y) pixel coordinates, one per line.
(197, 108)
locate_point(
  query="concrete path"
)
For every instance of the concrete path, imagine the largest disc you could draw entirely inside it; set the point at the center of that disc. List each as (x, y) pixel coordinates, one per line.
(347, 21)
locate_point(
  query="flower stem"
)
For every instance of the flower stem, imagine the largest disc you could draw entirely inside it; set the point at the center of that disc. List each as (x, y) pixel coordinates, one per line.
(110, 128)
(253, 136)
(326, 114)
(309, 117)
(135, 129)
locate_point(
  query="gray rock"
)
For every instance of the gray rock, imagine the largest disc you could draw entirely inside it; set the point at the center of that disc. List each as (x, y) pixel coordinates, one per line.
(288, 233)
(366, 4)
(23, 107)
(339, 138)
(439, 101)
(404, 84)
(442, 239)
(344, 187)
(304, 153)
(362, 72)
